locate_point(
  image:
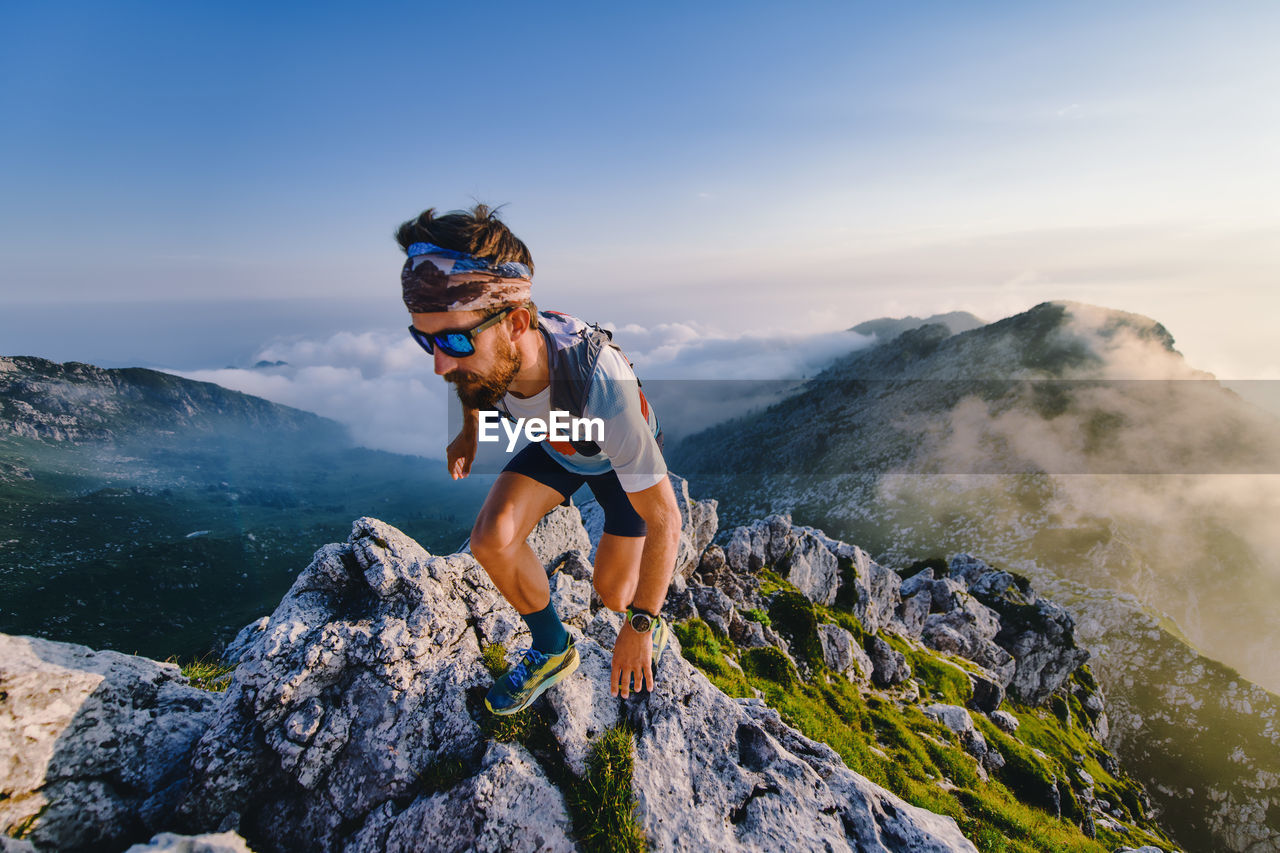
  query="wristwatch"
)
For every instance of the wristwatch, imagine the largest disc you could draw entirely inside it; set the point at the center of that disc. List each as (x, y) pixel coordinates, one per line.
(641, 620)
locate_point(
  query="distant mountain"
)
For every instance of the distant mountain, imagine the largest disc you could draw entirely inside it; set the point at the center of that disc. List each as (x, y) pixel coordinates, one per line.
(1067, 442)
(146, 512)
(74, 402)
(888, 328)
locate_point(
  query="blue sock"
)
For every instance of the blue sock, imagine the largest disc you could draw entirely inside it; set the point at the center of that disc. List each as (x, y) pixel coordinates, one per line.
(549, 635)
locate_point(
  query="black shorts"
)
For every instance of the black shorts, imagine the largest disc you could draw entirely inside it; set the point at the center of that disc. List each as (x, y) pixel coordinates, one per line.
(620, 517)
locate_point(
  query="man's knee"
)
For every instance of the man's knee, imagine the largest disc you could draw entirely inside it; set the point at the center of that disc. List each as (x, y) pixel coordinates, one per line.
(492, 537)
(615, 596)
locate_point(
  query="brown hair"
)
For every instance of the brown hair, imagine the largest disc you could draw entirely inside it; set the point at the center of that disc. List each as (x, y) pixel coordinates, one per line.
(477, 231)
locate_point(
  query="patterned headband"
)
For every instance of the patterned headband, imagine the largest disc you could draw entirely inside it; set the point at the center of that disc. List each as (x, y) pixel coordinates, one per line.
(438, 279)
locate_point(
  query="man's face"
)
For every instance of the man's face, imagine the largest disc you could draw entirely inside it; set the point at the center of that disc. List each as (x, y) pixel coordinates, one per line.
(481, 378)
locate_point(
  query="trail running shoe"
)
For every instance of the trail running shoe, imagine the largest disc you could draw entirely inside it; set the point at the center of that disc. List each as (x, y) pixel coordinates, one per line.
(516, 688)
(660, 635)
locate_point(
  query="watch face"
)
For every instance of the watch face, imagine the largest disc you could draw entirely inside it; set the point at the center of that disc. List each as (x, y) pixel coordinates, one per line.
(641, 622)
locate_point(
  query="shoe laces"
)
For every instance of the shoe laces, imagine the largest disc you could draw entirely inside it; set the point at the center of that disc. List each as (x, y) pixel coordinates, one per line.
(532, 660)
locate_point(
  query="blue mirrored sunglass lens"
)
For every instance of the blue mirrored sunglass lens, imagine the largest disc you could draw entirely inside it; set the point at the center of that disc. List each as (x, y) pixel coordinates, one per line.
(457, 343)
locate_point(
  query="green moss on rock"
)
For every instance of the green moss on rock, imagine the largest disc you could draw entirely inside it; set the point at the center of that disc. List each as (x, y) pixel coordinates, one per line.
(769, 663)
(793, 616)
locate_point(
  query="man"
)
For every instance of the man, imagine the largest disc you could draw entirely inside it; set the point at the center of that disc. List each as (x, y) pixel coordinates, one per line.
(466, 283)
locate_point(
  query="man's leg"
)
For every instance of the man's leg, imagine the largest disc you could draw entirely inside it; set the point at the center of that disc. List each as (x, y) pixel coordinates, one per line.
(526, 490)
(514, 506)
(617, 569)
(530, 485)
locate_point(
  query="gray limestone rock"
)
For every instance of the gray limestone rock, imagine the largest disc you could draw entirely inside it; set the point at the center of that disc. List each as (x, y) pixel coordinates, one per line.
(745, 551)
(758, 784)
(889, 666)
(812, 568)
(922, 579)
(359, 682)
(988, 692)
(1037, 632)
(168, 842)
(1041, 639)
(837, 647)
(876, 589)
(966, 569)
(1005, 721)
(95, 743)
(811, 560)
(236, 648)
(914, 610)
(748, 634)
(714, 570)
(510, 804)
(873, 819)
(946, 595)
(701, 521)
(958, 720)
(369, 674)
(969, 630)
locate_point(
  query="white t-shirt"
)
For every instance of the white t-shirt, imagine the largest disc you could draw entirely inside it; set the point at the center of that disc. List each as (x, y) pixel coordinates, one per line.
(629, 446)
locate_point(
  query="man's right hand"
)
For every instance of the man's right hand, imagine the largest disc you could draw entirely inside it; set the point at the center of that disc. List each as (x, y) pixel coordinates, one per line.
(461, 453)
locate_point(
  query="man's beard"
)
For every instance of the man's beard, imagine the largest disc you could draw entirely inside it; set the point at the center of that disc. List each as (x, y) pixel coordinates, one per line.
(484, 392)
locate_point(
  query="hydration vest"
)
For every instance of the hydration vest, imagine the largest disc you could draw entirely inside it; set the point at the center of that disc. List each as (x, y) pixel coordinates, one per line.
(573, 347)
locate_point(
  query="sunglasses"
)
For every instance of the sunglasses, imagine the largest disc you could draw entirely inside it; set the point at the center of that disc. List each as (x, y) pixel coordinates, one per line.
(456, 343)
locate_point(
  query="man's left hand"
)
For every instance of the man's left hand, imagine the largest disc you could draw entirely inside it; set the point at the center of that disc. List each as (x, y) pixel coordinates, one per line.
(632, 660)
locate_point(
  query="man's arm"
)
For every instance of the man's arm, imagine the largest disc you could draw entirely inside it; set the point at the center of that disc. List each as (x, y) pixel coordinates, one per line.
(633, 652)
(461, 452)
(657, 506)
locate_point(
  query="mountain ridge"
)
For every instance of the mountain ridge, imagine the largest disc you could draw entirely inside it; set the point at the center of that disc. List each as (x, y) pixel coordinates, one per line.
(352, 720)
(1070, 442)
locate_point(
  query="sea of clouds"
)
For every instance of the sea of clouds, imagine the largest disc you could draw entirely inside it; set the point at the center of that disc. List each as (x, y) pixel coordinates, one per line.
(382, 386)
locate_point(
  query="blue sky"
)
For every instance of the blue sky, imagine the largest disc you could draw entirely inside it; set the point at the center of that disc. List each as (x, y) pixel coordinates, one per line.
(737, 167)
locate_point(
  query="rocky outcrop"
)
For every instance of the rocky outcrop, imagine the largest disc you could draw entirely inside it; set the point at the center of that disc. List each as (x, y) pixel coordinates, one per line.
(370, 671)
(355, 721)
(958, 720)
(168, 842)
(1038, 634)
(842, 653)
(93, 744)
(889, 666)
(812, 561)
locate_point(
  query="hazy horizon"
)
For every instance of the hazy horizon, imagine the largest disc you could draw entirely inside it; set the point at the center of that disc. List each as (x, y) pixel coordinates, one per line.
(188, 186)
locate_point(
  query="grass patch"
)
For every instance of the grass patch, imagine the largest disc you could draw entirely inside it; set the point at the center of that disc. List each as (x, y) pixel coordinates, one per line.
(494, 656)
(699, 646)
(755, 614)
(847, 621)
(793, 616)
(771, 582)
(945, 681)
(603, 803)
(205, 673)
(442, 774)
(770, 663)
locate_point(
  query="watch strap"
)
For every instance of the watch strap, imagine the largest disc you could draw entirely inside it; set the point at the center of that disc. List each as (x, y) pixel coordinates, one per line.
(634, 611)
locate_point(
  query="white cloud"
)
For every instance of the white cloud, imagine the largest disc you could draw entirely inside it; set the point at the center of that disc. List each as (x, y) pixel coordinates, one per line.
(383, 388)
